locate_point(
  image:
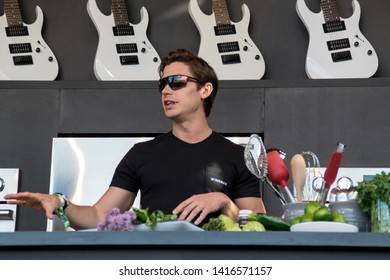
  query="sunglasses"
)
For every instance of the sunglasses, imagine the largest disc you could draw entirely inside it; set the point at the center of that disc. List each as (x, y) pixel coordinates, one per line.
(176, 81)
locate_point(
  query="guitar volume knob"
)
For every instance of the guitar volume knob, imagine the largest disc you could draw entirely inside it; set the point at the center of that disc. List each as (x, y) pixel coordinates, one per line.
(356, 44)
(143, 50)
(38, 50)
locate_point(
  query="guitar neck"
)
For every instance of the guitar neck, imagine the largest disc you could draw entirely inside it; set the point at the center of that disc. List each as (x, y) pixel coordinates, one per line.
(119, 11)
(221, 12)
(12, 12)
(330, 10)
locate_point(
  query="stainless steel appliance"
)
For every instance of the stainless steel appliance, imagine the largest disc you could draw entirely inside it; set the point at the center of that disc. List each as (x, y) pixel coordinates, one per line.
(82, 167)
(9, 182)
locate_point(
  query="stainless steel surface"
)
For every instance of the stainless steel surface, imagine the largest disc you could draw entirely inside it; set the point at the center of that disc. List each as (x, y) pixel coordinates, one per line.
(9, 183)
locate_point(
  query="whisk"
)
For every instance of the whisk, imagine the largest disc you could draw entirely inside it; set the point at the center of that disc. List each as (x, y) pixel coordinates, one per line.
(255, 156)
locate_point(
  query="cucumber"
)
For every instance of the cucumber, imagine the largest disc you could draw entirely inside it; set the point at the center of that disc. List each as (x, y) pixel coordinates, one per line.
(270, 222)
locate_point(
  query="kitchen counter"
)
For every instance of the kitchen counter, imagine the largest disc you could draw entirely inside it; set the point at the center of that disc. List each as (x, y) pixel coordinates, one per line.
(194, 245)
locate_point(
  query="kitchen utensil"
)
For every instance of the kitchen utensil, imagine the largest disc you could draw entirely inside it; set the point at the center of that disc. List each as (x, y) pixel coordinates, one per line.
(331, 171)
(256, 161)
(278, 173)
(312, 172)
(343, 191)
(298, 173)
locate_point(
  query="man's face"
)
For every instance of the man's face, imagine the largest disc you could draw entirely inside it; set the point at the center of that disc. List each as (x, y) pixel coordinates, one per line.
(184, 102)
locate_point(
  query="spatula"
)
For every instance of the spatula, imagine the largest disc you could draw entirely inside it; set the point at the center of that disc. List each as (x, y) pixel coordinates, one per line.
(298, 173)
(279, 175)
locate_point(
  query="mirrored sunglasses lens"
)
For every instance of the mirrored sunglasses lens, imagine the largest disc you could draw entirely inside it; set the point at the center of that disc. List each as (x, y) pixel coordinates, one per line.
(177, 82)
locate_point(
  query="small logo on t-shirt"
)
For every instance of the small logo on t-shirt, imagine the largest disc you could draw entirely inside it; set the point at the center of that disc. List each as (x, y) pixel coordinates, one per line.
(219, 181)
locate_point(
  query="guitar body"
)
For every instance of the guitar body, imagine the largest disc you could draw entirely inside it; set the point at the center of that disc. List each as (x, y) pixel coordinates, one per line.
(251, 65)
(358, 60)
(31, 58)
(108, 63)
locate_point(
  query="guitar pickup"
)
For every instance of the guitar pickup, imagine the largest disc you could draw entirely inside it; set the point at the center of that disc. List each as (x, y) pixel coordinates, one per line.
(123, 30)
(341, 56)
(20, 48)
(224, 29)
(23, 60)
(129, 59)
(338, 44)
(334, 26)
(15, 31)
(231, 58)
(126, 48)
(228, 47)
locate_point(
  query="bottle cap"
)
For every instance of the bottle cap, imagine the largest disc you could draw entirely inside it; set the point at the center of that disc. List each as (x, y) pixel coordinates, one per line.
(244, 212)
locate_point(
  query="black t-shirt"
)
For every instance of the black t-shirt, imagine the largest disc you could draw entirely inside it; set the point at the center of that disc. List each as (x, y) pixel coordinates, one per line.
(168, 171)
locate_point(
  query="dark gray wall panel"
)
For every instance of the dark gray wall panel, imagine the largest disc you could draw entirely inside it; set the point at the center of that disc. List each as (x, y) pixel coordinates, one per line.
(315, 119)
(107, 111)
(137, 110)
(238, 110)
(28, 122)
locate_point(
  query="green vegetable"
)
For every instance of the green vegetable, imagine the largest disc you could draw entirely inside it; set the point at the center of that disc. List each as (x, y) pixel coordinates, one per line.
(235, 227)
(253, 226)
(227, 221)
(143, 217)
(221, 223)
(215, 224)
(376, 188)
(270, 222)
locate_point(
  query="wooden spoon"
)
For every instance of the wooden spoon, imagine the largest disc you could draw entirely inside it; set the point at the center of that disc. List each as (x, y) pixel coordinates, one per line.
(298, 172)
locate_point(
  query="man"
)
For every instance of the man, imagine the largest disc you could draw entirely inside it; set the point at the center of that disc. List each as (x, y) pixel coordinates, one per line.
(190, 171)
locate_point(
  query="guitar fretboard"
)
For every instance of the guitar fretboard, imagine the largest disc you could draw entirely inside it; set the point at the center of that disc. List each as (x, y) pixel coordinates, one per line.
(221, 12)
(330, 10)
(12, 12)
(119, 11)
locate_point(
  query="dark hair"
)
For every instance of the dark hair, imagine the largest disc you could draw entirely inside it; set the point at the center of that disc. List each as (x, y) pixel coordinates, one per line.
(200, 70)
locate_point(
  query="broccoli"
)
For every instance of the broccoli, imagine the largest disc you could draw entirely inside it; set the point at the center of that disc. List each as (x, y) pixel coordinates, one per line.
(221, 223)
(214, 224)
(152, 219)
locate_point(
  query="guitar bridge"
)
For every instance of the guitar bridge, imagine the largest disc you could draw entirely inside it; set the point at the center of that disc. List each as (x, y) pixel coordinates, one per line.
(123, 30)
(231, 58)
(228, 47)
(129, 59)
(338, 44)
(224, 29)
(341, 56)
(20, 48)
(23, 60)
(126, 48)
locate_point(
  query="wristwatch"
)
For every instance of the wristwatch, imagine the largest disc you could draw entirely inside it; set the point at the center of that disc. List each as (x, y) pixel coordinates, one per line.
(64, 200)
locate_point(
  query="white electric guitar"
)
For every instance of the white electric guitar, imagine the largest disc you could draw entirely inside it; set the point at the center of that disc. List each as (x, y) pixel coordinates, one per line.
(124, 51)
(337, 48)
(226, 45)
(24, 55)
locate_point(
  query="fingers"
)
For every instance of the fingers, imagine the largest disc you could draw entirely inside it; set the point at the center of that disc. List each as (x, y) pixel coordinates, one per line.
(191, 208)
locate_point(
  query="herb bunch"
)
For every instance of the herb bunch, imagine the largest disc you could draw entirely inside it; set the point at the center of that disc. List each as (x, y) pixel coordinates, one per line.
(376, 188)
